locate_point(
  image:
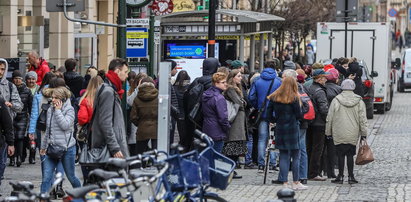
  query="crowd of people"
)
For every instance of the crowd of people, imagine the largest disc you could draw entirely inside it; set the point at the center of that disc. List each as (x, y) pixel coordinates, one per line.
(316, 112)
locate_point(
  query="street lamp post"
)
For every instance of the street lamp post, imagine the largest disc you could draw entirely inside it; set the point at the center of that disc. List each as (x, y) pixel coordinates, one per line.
(211, 27)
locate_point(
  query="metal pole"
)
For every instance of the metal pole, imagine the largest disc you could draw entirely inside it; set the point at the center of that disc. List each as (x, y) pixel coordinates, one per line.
(151, 45)
(346, 28)
(211, 28)
(164, 107)
(270, 46)
(241, 51)
(121, 49)
(252, 53)
(261, 52)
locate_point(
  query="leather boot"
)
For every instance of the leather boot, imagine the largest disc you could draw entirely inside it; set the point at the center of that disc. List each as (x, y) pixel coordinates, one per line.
(352, 180)
(18, 161)
(59, 190)
(338, 180)
(12, 162)
(32, 157)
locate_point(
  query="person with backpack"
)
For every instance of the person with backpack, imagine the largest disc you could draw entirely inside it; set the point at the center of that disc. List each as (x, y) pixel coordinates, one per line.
(267, 83)
(192, 100)
(73, 79)
(316, 134)
(215, 113)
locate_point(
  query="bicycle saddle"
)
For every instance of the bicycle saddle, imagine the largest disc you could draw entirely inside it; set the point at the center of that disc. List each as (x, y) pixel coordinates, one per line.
(80, 192)
(117, 164)
(134, 174)
(102, 175)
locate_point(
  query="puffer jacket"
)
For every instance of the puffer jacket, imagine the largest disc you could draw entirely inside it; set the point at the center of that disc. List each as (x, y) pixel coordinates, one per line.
(259, 88)
(12, 97)
(60, 126)
(41, 70)
(347, 120)
(21, 120)
(74, 81)
(317, 93)
(214, 107)
(85, 112)
(38, 100)
(332, 90)
(144, 112)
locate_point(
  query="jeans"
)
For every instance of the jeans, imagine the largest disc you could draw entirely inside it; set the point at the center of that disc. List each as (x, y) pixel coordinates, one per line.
(3, 160)
(218, 146)
(248, 155)
(285, 157)
(263, 134)
(49, 165)
(303, 155)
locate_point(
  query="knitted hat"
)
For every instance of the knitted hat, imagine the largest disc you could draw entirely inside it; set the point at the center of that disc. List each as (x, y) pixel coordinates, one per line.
(236, 64)
(334, 74)
(31, 74)
(289, 65)
(328, 67)
(16, 74)
(317, 66)
(348, 84)
(319, 72)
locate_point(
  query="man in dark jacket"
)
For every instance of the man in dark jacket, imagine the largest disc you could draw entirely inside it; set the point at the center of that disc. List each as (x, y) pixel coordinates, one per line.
(6, 136)
(355, 71)
(258, 93)
(316, 132)
(73, 80)
(108, 125)
(210, 66)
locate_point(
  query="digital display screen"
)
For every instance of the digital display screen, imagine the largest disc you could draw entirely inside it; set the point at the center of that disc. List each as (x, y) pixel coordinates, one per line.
(189, 49)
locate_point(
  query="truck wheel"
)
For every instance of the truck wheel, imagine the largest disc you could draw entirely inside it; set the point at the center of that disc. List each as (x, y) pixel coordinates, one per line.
(400, 87)
(370, 113)
(380, 108)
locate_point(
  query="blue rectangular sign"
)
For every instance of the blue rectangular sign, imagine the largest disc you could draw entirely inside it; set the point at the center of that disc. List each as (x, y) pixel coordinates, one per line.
(136, 42)
(186, 51)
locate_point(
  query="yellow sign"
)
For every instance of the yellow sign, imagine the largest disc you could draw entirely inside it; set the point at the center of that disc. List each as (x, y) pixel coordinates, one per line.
(183, 5)
(137, 35)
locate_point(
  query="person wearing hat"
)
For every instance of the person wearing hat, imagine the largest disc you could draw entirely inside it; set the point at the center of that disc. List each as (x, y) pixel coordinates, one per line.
(237, 64)
(21, 119)
(289, 65)
(314, 67)
(31, 78)
(346, 123)
(316, 130)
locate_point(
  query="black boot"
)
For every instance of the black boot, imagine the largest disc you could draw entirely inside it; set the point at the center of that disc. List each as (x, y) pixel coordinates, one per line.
(338, 180)
(352, 180)
(59, 190)
(12, 162)
(32, 157)
(18, 161)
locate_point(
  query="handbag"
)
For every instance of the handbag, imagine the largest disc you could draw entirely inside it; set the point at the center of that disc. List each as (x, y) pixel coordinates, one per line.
(82, 133)
(364, 155)
(257, 115)
(55, 151)
(41, 123)
(232, 109)
(94, 156)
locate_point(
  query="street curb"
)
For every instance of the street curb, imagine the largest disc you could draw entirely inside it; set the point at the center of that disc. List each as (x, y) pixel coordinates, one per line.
(375, 129)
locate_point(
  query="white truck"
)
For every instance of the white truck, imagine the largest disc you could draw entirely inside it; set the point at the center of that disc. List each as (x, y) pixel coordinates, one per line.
(370, 42)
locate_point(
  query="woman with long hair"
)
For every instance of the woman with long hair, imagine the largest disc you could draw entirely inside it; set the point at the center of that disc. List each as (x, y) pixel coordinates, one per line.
(235, 144)
(180, 86)
(285, 103)
(87, 100)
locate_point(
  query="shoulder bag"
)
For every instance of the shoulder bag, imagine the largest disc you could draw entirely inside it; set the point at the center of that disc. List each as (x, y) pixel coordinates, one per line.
(256, 114)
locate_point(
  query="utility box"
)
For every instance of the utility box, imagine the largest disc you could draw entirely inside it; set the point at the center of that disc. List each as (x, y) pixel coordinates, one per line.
(58, 5)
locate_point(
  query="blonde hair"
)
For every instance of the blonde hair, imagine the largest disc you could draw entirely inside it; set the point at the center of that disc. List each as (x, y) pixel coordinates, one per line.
(224, 70)
(60, 92)
(92, 86)
(287, 93)
(218, 76)
(238, 88)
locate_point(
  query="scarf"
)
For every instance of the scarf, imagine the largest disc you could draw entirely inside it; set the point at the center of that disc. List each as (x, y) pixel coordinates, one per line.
(115, 80)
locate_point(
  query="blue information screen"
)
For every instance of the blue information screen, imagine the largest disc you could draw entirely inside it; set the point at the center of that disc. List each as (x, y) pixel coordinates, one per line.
(187, 51)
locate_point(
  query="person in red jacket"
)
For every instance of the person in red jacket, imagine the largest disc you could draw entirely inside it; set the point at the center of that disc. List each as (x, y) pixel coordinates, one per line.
(39, 65)
(86, 102)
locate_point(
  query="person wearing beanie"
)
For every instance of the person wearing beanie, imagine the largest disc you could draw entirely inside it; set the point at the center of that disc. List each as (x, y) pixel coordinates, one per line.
(346, 124)
(314, 67)
(289, 65)
(31, 78)
(328, 67)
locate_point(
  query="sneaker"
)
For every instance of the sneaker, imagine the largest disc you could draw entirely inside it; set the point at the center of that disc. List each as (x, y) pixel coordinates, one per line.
(318, 178)
(250, 166)
(298, 186)
(286, 185)
(261, 169)
(272, 169)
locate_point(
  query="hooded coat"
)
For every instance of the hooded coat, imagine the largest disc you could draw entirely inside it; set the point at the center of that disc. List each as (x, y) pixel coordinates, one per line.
(22, 118)
(144, 112)
(259, 88)
(74, 81)
(215, 114)
(347, 120)
(12, 97)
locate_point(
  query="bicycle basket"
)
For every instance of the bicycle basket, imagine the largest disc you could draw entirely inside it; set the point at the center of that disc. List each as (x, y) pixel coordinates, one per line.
(174, 173)
(221, 168)
(201, 164)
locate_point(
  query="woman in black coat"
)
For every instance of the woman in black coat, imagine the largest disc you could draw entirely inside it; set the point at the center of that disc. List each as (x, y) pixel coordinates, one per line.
(21, 120)
(180, 86)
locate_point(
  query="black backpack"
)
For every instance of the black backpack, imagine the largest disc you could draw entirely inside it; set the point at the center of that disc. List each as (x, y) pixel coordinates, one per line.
(194, 97)
(42, 120)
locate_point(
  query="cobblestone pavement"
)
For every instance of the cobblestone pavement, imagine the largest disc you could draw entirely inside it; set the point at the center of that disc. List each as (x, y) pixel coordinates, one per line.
(386, 179)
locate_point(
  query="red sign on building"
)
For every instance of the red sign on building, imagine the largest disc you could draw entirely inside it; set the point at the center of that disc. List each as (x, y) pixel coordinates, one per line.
(162, 7)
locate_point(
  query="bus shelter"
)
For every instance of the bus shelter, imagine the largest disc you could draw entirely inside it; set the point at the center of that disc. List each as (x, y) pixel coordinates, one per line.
(230, 24)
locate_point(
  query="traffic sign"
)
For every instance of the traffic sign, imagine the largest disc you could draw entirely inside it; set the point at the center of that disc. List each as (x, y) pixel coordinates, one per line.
(392, 12)
(136, 40)
(138, 21)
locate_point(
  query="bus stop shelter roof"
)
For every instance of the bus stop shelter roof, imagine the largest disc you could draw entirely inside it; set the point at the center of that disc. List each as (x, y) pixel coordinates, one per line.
(242, 16)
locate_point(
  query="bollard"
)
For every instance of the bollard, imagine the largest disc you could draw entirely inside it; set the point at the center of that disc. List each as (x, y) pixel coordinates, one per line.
(287, 195)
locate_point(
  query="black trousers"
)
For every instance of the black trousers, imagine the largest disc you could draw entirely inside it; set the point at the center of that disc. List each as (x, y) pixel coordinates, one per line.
(345, 150)
(142, 145)
(315, 146)
(329, 158)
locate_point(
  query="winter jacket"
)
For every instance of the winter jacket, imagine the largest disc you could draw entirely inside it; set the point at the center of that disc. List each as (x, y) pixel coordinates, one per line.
(21, 120)
(85, 112)
(259, 89)
(310, 57)
(346, 120)
(74, 81)
(317, 93)
(6, 126)
(332, 90)
(354, 68)
(180, 97)
(60, 126)
(238, 126)
(144, 113)
(42, 69)
(38, 100)
(214, 108)
(108, 126)
(287, 130)
(12, 97)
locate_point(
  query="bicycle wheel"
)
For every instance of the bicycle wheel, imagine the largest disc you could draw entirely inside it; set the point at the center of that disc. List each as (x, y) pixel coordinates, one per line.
(213, 197)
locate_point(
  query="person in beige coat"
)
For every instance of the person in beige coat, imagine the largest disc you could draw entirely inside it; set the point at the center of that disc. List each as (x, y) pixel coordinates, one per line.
(346, 123)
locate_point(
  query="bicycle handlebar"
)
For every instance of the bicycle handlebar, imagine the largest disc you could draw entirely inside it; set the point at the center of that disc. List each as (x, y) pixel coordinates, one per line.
(202, 136)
